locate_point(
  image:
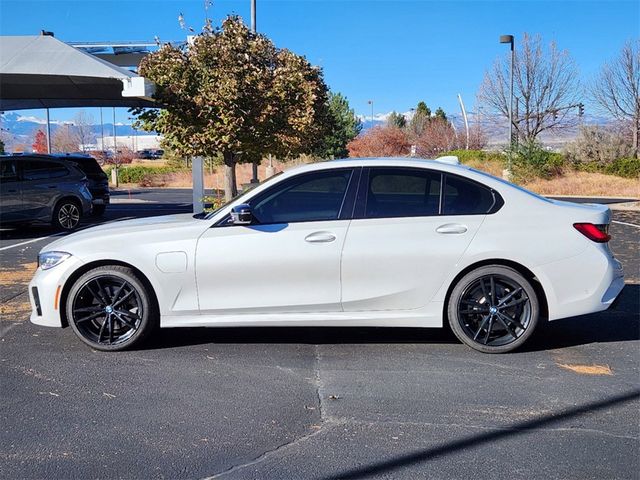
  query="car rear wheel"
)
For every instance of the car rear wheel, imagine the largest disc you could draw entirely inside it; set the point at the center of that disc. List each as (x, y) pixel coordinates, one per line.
(66, 215)
(109, 308)
(493, 309)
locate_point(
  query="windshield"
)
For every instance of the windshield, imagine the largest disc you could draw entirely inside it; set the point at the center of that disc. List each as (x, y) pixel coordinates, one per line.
(240, 195)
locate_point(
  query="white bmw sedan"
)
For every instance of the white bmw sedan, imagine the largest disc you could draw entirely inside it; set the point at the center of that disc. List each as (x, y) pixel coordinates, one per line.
(368, 242)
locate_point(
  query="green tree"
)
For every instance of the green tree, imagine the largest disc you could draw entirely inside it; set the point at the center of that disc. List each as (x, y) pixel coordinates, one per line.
(397, 120)
(343, 126)
(420, 119)
(232, 92)
(440, 114)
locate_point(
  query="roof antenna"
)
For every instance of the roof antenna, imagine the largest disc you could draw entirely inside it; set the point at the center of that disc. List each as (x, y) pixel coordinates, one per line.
(44, 33)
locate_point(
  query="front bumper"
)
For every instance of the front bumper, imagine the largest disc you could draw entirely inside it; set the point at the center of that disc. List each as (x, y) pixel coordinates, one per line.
(45, 292)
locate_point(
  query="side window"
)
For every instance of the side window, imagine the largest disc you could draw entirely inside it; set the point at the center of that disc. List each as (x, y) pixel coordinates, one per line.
(464, 197)
(398, 192)
(57, 171)
(307, 198)
(40, 169)
(8, 171)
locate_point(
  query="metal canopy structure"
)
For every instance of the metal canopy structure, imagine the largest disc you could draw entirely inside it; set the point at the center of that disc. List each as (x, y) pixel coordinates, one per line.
(44, 72)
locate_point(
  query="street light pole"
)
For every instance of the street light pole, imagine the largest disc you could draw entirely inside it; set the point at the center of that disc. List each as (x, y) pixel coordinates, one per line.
(370, 102)
(510, 40)
(254, 164)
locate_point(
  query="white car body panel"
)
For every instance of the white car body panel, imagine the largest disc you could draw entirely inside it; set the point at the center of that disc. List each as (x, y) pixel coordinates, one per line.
(377, 272)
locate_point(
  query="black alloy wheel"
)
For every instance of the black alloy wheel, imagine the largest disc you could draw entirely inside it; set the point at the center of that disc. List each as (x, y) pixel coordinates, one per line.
(109, 308)
(493, 309)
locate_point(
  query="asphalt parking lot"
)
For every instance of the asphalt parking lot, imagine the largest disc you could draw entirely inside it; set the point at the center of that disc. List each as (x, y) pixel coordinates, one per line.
(317, 403)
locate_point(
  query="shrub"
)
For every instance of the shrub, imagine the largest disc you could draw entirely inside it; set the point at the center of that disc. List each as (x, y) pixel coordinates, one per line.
(595, 148)
(532, 161)
(139, 173)
(624, 167)
(469, 156)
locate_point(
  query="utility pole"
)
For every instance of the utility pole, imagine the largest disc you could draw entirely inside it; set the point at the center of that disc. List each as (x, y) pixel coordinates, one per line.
(370, 102)
(510, 40)
(466, 122)
(102, 147)
(254, 164)
(48, 133)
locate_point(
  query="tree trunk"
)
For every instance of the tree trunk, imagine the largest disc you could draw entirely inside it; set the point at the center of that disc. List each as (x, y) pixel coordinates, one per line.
(254, 172)
(636, 133)
(230, 187)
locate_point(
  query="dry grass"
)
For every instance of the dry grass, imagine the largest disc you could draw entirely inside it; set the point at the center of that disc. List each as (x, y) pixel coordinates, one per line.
(14, 310)
(490, 166)
(587, 184)
(588, 369)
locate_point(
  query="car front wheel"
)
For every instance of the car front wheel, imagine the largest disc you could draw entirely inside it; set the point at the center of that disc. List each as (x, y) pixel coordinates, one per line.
(493, 309)
(109, 308)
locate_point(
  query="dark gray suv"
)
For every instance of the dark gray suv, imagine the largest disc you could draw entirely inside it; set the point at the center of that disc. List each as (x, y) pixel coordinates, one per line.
(42, 188)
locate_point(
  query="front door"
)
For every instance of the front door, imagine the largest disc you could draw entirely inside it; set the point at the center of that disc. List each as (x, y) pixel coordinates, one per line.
(288, 259)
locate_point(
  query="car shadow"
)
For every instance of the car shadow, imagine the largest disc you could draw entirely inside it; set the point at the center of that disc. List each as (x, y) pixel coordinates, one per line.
(618, 324)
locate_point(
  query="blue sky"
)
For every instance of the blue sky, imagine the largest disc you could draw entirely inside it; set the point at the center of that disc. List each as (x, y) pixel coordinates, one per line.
(393, 52)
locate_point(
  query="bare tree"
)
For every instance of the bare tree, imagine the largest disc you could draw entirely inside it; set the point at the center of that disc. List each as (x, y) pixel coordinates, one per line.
(84, 129)
(546, 89)
(63, 140)
(617, 89)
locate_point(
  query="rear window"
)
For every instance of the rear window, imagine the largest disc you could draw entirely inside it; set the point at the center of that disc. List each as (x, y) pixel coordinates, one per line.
(89, 166)
(465, 197)
(397, 192)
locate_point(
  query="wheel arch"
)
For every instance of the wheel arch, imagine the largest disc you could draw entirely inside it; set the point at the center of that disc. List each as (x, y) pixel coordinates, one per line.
(64, 294)
(521, 269)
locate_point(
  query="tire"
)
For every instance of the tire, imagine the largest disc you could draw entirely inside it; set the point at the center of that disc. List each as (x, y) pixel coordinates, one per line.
(98, 210)
(110, 308)
(66, 215)
(497, 322)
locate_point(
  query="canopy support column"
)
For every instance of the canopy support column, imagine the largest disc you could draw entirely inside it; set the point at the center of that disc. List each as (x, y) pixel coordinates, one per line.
(197, 172)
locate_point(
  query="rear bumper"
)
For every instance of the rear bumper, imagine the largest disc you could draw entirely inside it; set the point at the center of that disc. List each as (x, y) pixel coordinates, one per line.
(587, 283)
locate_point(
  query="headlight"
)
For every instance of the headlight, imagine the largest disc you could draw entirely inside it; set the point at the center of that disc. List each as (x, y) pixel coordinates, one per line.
(49, 260)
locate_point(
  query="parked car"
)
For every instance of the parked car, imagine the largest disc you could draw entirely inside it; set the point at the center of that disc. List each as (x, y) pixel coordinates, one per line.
(42, 188)
(145, 154)
(98, 180)
(364, 242)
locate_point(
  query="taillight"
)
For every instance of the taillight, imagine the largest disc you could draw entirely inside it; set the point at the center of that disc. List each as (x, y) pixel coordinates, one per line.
(595, 233)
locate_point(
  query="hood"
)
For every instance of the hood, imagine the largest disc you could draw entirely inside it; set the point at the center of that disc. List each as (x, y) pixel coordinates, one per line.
(139, 229)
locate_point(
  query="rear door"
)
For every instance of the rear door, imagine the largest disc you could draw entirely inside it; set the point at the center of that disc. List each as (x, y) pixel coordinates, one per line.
(40, 183)
(10, 191)
(411, 227)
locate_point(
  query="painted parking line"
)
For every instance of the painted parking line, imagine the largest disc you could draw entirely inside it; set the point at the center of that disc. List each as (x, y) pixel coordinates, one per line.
(33, 240)
(625, 223)
(61, 234)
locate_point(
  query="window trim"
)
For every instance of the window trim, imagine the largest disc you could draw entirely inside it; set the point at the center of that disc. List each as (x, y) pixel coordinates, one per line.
(347, 205)
(363, 193)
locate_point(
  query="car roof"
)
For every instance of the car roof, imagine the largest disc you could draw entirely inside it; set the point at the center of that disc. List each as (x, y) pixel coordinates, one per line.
(414, 162)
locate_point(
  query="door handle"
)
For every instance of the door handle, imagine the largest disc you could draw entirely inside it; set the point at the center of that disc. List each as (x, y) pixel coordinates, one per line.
(320, 237)
(451, 228)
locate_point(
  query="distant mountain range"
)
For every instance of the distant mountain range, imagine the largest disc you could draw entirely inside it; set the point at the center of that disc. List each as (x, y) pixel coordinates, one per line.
(19, 129)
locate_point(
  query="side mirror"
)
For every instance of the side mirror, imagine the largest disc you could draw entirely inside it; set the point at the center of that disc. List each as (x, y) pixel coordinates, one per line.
(241, 214)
